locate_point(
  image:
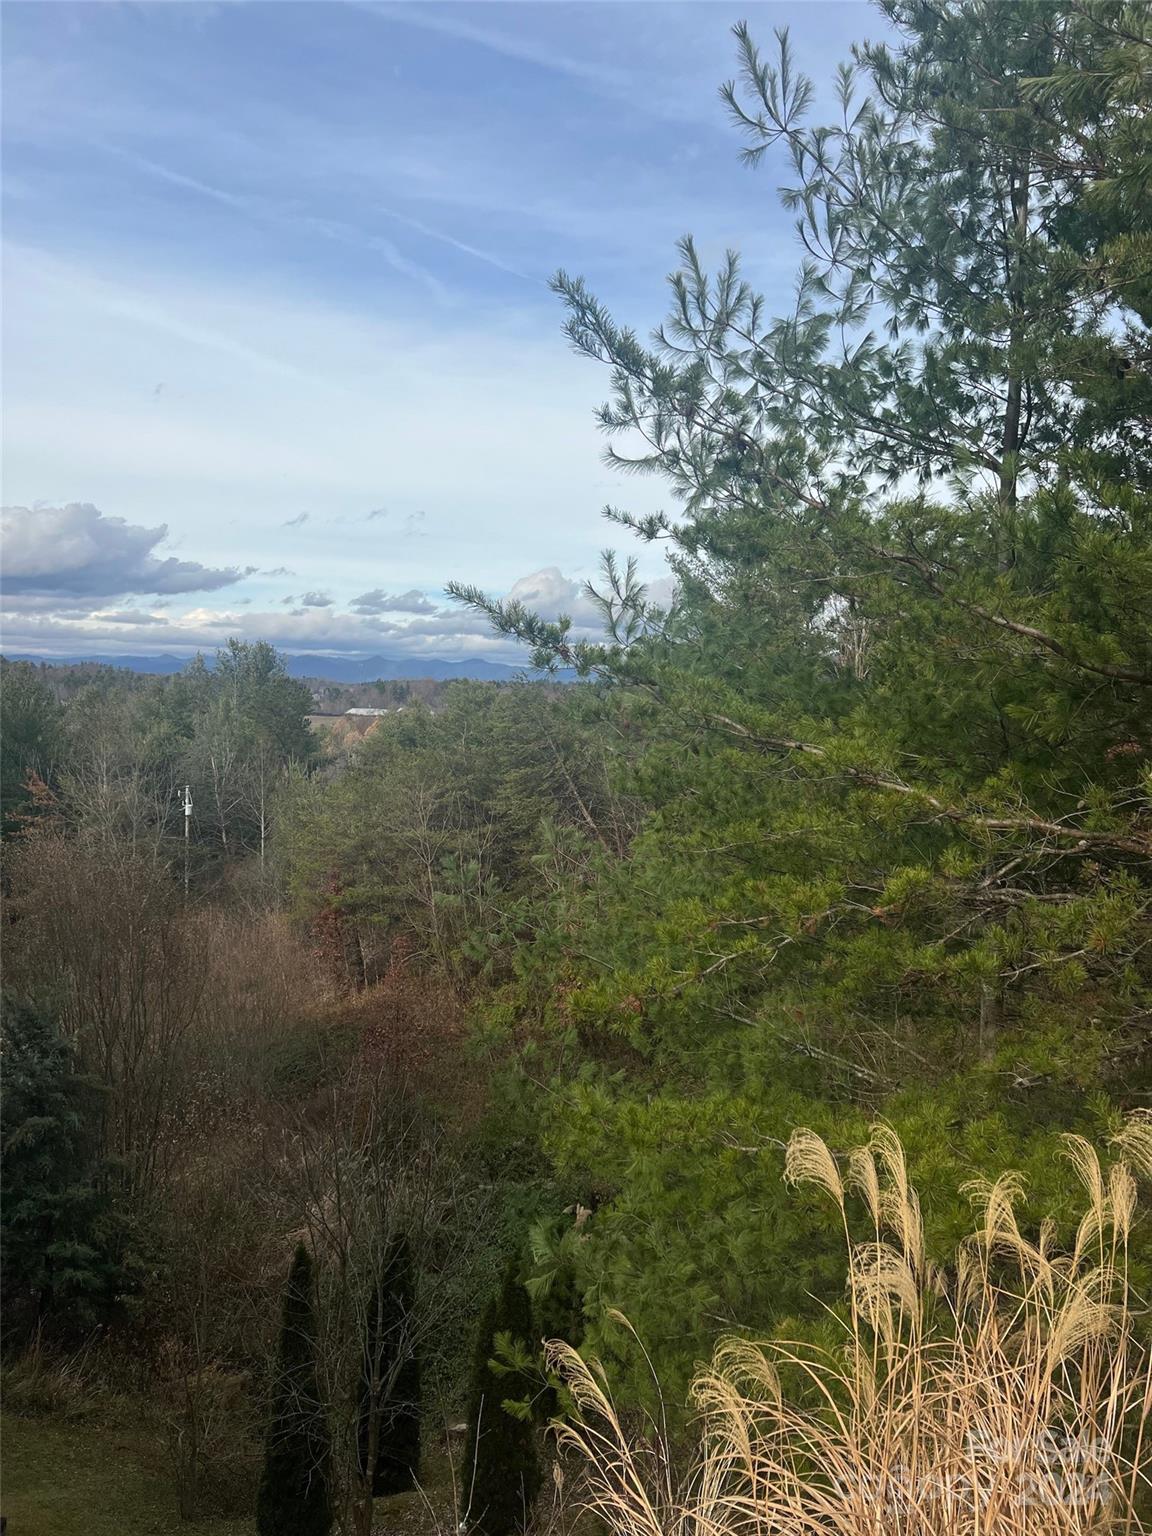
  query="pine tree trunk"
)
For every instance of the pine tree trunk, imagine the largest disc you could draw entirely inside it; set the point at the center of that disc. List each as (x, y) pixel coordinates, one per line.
(1010, 441)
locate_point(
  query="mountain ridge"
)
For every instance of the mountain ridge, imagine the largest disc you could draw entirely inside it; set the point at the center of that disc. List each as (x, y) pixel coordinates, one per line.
(336, 669)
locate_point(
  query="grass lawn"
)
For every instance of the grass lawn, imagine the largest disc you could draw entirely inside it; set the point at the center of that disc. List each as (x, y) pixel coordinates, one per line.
(83, 1478)
(88, 1477)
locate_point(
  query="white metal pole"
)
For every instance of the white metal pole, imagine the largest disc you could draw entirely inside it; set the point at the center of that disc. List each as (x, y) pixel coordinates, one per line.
(187, 832)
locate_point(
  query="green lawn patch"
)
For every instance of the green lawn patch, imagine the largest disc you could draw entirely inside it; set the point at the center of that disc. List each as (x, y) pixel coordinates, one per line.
(86, 1478)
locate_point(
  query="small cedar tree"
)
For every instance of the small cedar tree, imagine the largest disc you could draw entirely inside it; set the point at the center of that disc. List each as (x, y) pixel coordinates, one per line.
(390, 1389)
(501, 1473)
(294, 1498)
(65, 1237)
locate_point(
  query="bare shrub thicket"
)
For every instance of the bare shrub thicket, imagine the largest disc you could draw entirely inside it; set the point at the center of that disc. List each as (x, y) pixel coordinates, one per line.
(115, 805)
(178, 1012)
(210, 1311)
(251, 1103)
(411, 1025)
(265, 1027)
(198, 1025)
(106, 938)
(1010, 1396)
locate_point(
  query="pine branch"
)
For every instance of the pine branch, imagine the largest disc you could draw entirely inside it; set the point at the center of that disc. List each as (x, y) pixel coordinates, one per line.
(1083, 838)
(928, 574)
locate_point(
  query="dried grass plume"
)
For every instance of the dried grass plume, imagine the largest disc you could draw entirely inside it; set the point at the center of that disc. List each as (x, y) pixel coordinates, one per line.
(1006, 1395)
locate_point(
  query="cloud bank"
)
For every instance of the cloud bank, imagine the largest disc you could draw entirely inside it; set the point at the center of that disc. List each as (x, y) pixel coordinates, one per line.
(75, 551)
(402, 624)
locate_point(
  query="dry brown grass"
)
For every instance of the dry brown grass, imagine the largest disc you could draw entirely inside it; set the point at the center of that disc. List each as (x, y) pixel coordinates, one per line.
(1009, 1396)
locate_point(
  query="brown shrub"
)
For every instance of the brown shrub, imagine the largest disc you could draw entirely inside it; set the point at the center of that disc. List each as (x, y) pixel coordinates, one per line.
(412, 1025)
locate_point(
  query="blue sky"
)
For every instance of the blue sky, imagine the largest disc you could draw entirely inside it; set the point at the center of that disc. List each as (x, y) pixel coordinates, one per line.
(279, 354)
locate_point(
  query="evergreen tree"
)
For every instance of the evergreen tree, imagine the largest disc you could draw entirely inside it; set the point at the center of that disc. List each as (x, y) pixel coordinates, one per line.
(251, 678)
(501, 1475)
(438, 815)
(896, 739)
(389, 1428)
(557, 1302)
(64, 1238)
(294, 1497)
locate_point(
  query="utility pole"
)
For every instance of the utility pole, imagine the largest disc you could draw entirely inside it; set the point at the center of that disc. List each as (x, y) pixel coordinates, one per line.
(187, 832)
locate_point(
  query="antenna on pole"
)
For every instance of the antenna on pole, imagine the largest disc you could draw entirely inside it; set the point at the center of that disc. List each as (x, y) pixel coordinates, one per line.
(187, 832)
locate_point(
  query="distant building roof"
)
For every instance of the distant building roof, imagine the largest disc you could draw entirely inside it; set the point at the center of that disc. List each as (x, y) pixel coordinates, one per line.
(367, 711)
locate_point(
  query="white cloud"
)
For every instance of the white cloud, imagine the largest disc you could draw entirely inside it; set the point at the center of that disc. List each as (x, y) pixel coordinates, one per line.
(78, 550)
(407, 624)
(132, 616)
(445, 634)
(549, 593)
(379, 601)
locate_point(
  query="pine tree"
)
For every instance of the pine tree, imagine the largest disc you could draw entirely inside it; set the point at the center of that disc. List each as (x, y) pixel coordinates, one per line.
(557, 1302)
(389, 1428)
(501, 1475)
(294, 1497)
(64, 1237)
(899, 839)
(251, 681)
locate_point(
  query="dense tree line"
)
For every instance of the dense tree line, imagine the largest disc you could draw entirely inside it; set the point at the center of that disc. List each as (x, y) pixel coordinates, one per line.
(111, 752)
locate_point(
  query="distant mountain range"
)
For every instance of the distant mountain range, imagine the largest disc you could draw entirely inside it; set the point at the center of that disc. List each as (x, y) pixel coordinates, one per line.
(334, 669)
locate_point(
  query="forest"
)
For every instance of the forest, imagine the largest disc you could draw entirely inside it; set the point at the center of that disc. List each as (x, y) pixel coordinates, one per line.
(714, 1095)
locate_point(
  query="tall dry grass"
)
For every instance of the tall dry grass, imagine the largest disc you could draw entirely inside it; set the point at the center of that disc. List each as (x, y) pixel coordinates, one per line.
(1008, 1396)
